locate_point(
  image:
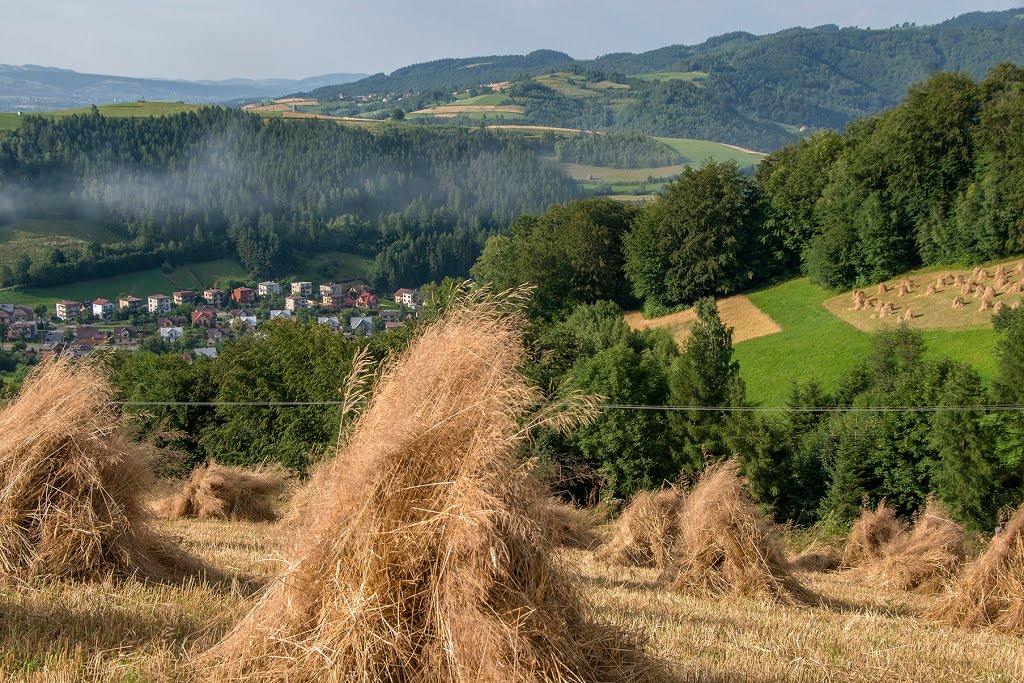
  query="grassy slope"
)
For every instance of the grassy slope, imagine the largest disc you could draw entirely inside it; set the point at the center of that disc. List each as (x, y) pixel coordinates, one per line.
(37, 237)
(689, 76)
(814, 344)
(698, 151)
(131, 631)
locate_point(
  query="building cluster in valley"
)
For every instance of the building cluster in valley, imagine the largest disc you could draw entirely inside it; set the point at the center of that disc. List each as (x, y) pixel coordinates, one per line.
(351, 310)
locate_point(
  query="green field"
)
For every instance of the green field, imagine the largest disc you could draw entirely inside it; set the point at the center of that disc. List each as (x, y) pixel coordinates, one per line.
(488, 100)
(10, 121)
(333, 266)
(689, 76)
(698, 151)
(814, 344)
(575, 85)
(140, 283)
(38, 237)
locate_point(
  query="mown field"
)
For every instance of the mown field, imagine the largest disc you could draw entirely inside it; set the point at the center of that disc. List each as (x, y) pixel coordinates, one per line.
(129, 631)
(688, 76)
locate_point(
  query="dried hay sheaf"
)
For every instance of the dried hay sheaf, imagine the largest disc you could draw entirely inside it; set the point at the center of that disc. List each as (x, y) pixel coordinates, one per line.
(926, 558)
(70, 490)
(221, 492)
(567, 525)
(725, 547)
(644, 533)
(422, 560)
(816, 561)
(870, 534)
(990, 590)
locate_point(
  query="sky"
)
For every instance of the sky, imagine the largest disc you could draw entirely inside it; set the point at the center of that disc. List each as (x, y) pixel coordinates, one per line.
(214, 39)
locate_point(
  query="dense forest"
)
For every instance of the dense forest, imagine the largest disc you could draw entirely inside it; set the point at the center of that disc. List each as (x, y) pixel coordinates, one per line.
(754, 91)
(219, 182)
(617, 150)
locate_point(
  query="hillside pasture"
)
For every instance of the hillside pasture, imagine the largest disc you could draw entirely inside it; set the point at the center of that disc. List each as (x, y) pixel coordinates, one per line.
(453, 110)
(738, 312)
(485, 100)
(699, 151)
(195, 276)
(10, 121)
(37, 238)
(576, 85)
(130, 109)
(134, 631)
(816, 345)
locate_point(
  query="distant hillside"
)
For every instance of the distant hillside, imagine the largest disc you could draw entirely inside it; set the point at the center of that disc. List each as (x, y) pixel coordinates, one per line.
(739, 88)
(38, 88)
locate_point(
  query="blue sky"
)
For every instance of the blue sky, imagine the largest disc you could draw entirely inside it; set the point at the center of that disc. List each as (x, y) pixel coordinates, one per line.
(259, 38)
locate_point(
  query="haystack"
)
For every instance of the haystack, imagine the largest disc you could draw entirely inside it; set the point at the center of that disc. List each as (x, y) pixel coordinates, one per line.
(908, 316)
(928, 292)
(567, 525)
(990, 591)
(423, 558)
(1016, 288)
(882, 289)
(887, 309)
(1002, 282)
(1001, 271)
(1019, 269)
(998, 307)
(725, 547)
(1015, 305)
(966, 289)
(904, 290)
(927, 557)
(70, 490)
(958, 302)
(233, 493)
(644, 533)
(959, 280)
(990, 292)
(859, 300)
(985, 305)
(979, 291)
(870, 534)
(907, 282)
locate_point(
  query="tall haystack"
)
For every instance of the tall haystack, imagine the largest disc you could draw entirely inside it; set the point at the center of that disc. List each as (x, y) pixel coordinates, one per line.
(1019, 269)
(1001, 271)
(990, 292)
(903, 291)
(927, 557)
(985, 306)
(1016, 288)
(882, 289)
(998, 307)
(908, 316)
(966, 289)
(219, 492)
(958, 281)
(859, 299)
(886, 310)
(70, 490)
(870, 534)
(725, 547)
(423, 558)
(644, 533)
(990, 590)
(958, 302)
(928, 292)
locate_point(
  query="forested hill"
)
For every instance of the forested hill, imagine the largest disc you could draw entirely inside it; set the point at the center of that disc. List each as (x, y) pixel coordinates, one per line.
(445, 74)
(222, 182)
(738, 88)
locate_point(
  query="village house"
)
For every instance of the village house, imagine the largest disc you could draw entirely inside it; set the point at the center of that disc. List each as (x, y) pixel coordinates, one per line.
(303, 289)
(126, 335)
(243, 313)
(13, 313)
(388, 316)
(158, 304)
(206, 352)
(217, 334)
(204, 317)
(68, 310)
(294, 303)
(214, 297)
(130, 303)
(279, 314)
(170, 321)
(25, 330)
(249, 321)
(361, 326)
(367, 301)
(243, 295)
(407, 297)
(185, 296)
(332, 322)
(393, 326)
(332, 301)
(171, 334)
(90, 336)
(103, 309)
(330, 289)
(268, 288)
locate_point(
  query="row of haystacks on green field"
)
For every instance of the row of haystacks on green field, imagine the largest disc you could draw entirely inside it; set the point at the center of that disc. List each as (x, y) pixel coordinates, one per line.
(432, 555)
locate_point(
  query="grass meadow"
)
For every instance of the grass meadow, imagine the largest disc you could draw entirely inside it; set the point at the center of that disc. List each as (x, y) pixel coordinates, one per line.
(689, 76)
(130, 631)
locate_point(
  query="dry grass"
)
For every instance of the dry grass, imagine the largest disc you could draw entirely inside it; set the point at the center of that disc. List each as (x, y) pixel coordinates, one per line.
(725, 547)
(217, 492)
(424, 561)
(70, 490)
(927, 557)
(738, 312)
(130, 632)
(870, 535)
(567, 525)
(936, 306)
(644, 533)
(991, 589)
